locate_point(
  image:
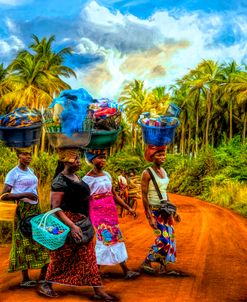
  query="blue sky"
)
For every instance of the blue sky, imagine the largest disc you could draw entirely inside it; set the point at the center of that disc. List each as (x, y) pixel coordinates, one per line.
(116, 41)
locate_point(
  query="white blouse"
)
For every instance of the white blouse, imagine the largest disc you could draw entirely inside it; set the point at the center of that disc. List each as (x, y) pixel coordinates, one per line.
(99, 184)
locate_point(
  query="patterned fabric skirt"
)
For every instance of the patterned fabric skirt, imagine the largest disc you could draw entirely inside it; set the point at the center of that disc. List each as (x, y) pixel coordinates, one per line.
(74, 264)
(104, 217)
(25, 252)
(110, 248)
(164, 249)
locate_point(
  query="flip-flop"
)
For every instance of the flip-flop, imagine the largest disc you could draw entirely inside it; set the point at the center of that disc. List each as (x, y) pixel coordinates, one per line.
(28, 283)
(148, 269)
(46, 290)
(131, 275)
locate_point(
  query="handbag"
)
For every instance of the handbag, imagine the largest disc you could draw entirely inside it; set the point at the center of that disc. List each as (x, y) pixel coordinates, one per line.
(25, 225)
(167, 208)
(87, 230)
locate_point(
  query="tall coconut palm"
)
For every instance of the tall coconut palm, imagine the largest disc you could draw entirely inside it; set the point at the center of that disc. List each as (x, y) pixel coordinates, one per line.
(211, 76)
(37, 76)
(231, 72)
(238, 90)
(193, 84)
(133, 98)
(5, 86)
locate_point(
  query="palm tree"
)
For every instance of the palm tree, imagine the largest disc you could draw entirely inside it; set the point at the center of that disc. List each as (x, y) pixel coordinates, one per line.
(238, 90)
(36, 76)
(158, 99)
(211, 75)
(134, 100)
(193, 84)
(5, 85)
(230, 72)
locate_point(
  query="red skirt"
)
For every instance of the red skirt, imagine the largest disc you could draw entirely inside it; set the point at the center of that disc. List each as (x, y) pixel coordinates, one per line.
(74, 264)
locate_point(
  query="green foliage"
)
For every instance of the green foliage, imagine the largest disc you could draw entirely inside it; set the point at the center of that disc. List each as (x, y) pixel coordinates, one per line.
(44, 166)
(8, 160)
(5, 231)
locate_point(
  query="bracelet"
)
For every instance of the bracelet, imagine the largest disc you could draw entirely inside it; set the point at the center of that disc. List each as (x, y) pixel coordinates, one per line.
(4, 194)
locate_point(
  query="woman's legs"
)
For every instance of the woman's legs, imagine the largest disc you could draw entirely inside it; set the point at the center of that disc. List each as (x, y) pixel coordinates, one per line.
(43, 272)
(26, 282)
(44, 287)
(25, 276)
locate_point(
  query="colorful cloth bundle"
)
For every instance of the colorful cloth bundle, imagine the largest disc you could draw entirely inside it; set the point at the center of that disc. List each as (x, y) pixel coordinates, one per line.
(21, 117)
(72, 110)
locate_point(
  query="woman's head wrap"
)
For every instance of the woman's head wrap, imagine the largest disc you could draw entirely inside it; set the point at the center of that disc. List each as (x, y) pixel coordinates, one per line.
(151, 150)
(68, 155)
(91, 154)
(24, 150)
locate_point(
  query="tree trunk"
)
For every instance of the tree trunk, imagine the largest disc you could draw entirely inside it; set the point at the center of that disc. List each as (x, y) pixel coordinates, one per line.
(43, 135)
(182, 140)
(189, 137)
(208, 119)
(244, 128)
(230, 119)
(197, 130)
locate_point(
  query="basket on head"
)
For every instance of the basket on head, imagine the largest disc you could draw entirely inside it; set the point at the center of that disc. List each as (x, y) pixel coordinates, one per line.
(159, 136)
(21, 137)
(101, 139)
(49, 231)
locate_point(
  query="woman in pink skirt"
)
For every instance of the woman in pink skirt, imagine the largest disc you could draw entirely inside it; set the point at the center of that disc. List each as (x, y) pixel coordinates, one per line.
(110, 247)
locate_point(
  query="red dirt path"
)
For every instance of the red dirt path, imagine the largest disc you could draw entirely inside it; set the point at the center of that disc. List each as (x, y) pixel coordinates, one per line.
(211, 251)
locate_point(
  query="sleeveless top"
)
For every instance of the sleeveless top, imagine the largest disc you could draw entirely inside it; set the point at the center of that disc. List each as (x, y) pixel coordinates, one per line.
(153, 197)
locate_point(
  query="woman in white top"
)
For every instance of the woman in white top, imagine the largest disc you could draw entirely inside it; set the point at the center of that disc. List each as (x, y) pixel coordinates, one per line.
(110, 247)
(21, 185)
(163, 251)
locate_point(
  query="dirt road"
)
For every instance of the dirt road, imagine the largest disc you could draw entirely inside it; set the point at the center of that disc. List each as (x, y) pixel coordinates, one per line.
(211, 251)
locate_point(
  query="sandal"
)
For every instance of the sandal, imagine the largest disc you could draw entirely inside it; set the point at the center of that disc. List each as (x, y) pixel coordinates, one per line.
(147, 269)
(46, 290)
(131, 275)
(28, 283)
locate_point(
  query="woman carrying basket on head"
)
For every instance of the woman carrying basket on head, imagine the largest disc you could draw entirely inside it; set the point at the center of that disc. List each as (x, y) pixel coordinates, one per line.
(110, 247)
(21, 185)
(75, 262)
(164, 249)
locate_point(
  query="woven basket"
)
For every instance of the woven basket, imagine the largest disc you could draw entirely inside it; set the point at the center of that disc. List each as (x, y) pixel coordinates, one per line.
(41, 224)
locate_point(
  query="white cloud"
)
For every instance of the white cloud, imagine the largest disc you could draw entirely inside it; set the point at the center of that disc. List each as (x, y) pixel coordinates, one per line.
(10, 24)
(86, 46)
(10, 45)
(158, 50)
